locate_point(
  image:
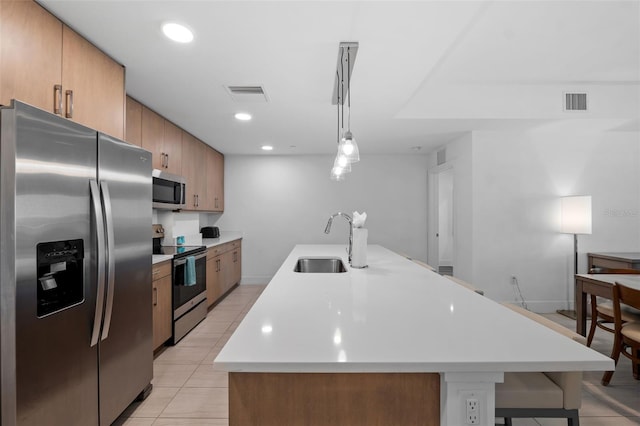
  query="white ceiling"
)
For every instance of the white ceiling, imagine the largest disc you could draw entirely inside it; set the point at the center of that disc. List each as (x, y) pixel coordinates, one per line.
(426, 71)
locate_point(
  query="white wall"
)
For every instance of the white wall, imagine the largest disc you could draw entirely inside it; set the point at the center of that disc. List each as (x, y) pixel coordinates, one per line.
(517, 180)
(281, 201)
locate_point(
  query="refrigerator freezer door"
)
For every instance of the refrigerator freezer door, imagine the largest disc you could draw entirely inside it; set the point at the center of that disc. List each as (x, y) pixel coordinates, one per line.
(126, 353)
(57, 378)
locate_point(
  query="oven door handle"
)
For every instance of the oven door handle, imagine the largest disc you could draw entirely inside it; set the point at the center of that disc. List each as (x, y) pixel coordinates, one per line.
(183, 260)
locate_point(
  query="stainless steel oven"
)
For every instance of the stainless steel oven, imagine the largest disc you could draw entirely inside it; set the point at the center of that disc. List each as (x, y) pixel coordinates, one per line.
(189, 290)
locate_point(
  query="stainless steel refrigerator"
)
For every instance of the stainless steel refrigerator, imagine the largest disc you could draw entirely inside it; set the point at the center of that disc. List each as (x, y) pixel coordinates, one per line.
(75, 269)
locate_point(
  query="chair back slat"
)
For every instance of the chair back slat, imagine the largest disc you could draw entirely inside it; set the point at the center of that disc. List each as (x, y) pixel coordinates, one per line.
(627, 295)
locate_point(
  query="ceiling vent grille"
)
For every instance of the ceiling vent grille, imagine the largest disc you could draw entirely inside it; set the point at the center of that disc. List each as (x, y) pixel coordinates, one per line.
(247, 93)
(575, 101)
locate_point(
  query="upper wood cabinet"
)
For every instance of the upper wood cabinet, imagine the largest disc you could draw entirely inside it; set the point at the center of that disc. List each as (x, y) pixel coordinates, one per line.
(194, 172)
(215, 181)
(180, 153)
(46, 64)
(30, 54)
(93, 85)
(133, 125)
(164, 140)
(153, 136)
(172, 147)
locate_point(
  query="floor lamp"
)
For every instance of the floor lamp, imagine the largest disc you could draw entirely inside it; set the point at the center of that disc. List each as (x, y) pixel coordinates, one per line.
(576, 219)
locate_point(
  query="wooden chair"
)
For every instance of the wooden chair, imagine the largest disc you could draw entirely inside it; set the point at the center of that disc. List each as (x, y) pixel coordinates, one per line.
(602, 313)
(627, 334)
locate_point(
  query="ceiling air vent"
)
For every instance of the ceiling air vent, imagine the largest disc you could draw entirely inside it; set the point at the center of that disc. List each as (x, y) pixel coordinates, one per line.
(575, 101)
(247, 93)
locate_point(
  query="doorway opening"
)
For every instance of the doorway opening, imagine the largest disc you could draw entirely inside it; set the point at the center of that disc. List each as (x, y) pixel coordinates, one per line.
(441, 236)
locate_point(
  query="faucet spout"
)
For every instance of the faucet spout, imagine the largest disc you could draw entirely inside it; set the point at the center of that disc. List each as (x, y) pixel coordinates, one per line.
(348, 219)
(328, 228)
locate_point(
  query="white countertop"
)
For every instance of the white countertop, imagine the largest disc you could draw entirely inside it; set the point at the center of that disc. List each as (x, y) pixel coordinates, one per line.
(158, 258)
(225, 237)
(393, 316)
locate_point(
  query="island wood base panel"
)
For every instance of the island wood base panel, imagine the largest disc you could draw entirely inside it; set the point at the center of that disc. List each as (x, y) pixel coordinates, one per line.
(282, 399)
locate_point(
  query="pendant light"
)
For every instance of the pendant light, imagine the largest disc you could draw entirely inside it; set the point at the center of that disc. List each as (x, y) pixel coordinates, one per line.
(341, 165)
(348, 145)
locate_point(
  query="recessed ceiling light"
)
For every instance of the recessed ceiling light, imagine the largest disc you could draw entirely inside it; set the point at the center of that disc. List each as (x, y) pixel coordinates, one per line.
(243, 116)
(267, 148)
(178, 33)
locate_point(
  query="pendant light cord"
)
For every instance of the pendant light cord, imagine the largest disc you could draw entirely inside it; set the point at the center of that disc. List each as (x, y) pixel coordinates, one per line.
(349, 87)
(338, 105)
(341, 100)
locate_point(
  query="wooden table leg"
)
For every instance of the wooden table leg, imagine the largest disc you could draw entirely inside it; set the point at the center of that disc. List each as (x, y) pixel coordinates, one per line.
(581, 308)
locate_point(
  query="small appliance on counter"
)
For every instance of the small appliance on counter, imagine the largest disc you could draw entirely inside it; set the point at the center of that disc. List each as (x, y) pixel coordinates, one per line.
(189, 283)
(210, 232)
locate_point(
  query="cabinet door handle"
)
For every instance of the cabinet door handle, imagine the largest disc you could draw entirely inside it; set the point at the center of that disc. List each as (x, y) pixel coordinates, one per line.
(167, 157)
(195, 203)
(57, 99)
(235, 256)
(218, 265)
(69, 106)
(155, 296)
(197, 200)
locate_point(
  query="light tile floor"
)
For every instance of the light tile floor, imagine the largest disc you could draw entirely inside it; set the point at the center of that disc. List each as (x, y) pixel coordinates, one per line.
(188, 390)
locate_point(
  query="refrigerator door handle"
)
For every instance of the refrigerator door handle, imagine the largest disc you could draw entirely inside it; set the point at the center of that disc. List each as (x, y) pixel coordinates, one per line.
(99, 223)
(111, 261)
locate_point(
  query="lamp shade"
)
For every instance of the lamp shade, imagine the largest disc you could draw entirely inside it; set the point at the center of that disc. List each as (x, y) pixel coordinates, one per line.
(576, 214)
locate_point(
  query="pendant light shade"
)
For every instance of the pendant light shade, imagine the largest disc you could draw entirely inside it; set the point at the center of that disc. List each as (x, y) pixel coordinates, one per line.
(341, 167)
(349, 148)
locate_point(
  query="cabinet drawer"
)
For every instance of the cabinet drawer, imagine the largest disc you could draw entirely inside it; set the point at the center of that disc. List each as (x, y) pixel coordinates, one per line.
(160, 270)
(222, 248)
(213, 252)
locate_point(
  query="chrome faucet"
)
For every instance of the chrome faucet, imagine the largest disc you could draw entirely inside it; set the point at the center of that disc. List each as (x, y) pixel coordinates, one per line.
(348, 218)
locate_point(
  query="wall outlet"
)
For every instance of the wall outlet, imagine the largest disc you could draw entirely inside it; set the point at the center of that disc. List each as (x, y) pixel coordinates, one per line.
(472, 411)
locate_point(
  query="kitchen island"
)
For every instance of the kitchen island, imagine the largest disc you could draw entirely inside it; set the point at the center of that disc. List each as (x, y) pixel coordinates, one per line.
(393, 343)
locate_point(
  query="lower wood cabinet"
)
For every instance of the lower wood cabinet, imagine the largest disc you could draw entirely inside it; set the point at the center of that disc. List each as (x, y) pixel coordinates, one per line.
(224, 269)
(161, 299)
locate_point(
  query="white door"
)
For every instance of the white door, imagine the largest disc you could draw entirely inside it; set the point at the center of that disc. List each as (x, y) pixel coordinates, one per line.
(445, 222)
(441, 247)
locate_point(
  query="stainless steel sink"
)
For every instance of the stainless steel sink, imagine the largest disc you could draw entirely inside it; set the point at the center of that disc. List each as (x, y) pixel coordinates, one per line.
(320, 265)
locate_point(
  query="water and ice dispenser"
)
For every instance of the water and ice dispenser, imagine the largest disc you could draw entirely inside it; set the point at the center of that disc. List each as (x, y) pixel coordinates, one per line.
(60, 275)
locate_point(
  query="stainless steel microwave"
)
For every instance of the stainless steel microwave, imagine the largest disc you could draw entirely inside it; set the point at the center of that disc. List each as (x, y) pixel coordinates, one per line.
(168, 191)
